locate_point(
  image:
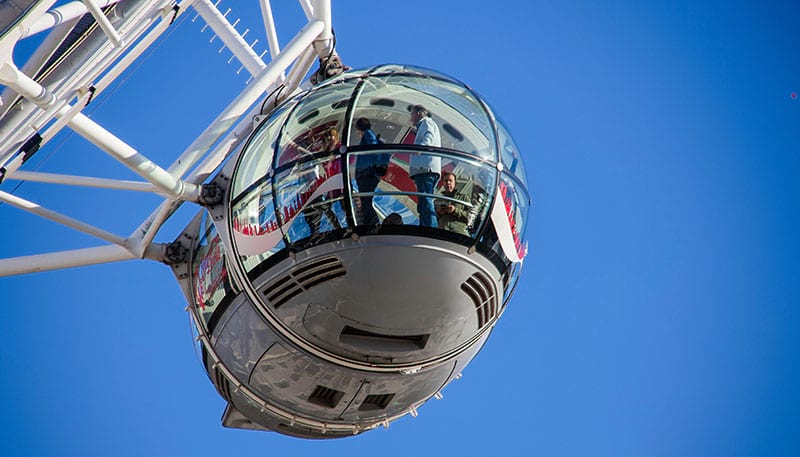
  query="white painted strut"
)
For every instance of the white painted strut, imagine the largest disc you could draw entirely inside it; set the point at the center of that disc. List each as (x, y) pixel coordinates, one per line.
(229, 36)
(269, 25)
(85, 181)
(322, 12)
(103, 22)
(62, 14)
(100, 137)
(144, 234)
(74, 258)
(249, 95)
(60, 218)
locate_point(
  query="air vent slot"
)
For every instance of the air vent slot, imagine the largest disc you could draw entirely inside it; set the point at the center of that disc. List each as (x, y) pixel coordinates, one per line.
(369, 341)
(303, 278)
(453, 132)
(340, 104)
(314, 273)
(479, 289)
(325, 396)
(223, 385)
(381, 102)
(308, 116)
(282, 291)
(376, 402)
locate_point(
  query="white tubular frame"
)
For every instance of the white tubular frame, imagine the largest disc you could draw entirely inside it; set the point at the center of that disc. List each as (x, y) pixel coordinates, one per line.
(84, 181)
(54, 106)
(62, 14)
(103, 22)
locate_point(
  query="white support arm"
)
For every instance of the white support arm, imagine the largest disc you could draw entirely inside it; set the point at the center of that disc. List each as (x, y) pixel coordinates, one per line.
(322, 12)
(269, 25)
(249, 95)
(60, 218)
(66, 115)
(101, 137)
(140, 47)
(144, 234)
(65, 259)
(232, 39)
(131, 158)
(32, 16)
(110, 76)
(308, 9)
(103, 22)
(62, 14)
(85, 181)
(299, 69)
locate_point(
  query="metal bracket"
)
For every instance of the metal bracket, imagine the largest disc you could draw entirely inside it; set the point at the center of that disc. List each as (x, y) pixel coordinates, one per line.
(175, 253)
(210, 194)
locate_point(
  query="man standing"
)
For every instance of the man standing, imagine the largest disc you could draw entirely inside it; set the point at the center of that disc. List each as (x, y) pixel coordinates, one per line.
(366, 172)
(453, 216)
(425, 170)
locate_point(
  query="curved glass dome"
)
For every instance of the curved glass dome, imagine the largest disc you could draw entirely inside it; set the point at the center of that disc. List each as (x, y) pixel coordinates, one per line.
(372, 235)
(391, 148)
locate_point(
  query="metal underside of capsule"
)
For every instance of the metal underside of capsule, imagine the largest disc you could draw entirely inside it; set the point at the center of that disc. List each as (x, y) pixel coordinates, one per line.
(354, 332)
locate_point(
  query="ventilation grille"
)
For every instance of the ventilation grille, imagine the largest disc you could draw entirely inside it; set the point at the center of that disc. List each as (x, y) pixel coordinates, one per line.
(325, 396)
(223, 385)
(303, 278)
(479, 289)
(380, 342)
(376, 402)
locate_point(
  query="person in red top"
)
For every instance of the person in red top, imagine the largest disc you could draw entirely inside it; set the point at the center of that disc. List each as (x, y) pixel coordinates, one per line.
(320, 208)
(331, 141)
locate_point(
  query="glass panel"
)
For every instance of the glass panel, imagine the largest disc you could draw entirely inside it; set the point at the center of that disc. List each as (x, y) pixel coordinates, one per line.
(309, 197)
(257, 159)
(393, 196)
(209, 275)
(408, 69)
(516, 202)
(241, 339)
(307, 131)
(510, 279)
(509, 154)
(507, 230)
(256, 233)
(386, 101)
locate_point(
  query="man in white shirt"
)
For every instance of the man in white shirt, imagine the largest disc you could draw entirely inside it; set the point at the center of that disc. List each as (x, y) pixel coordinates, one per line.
(425, 170)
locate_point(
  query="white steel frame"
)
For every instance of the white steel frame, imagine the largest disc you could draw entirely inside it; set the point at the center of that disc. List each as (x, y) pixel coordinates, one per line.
(50, 109)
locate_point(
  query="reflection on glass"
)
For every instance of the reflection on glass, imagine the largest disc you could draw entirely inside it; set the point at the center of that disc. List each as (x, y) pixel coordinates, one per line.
(516, 203)
(256, 231)
(385, 102)
(505, 238)
(257, 161)
(510, 156)
(309, 198)
(299, 196)
(394, 198)
(209, 275)
(241, 338)
(305, 132)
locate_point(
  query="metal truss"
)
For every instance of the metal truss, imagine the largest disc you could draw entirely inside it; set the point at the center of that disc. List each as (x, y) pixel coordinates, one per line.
(35, 106)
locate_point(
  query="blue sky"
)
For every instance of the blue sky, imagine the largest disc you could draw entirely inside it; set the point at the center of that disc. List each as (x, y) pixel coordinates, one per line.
(658, 306)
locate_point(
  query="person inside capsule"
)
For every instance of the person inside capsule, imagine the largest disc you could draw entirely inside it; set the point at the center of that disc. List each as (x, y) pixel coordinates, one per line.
(425, 170)
(397, 107)
(453, 216)
(323, 205)
(367, 172)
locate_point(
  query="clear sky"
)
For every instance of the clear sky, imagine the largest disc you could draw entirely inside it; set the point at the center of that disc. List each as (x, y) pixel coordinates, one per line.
(658, 308)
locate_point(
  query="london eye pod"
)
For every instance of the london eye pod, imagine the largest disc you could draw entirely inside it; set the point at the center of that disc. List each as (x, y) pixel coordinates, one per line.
(324, 304)
(350, 258)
